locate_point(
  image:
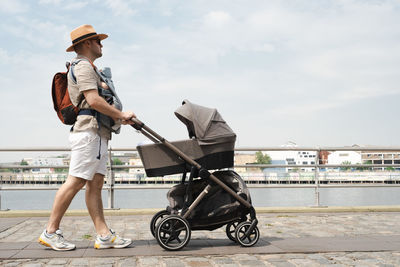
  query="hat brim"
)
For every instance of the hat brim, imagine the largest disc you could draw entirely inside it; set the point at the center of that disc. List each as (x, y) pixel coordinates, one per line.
(101, 36)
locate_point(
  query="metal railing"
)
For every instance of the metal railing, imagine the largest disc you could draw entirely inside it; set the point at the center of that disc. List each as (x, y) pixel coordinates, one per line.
(110, 184)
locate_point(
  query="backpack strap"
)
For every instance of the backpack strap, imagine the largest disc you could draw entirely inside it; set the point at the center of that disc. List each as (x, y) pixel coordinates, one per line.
(75, 62)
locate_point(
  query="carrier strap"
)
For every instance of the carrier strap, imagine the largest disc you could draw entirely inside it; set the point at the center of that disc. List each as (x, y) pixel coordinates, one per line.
(90, 112)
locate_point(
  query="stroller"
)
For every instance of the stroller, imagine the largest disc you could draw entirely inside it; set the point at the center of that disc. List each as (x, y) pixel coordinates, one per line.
(204, 201)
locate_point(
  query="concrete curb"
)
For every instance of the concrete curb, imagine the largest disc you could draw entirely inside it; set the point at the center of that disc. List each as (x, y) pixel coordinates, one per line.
(124, 212)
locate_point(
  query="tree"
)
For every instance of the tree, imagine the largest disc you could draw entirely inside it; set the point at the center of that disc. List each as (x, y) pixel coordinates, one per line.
(345, 163)
(24, 163)
(117, 161)
(262, 159)
(364, 168)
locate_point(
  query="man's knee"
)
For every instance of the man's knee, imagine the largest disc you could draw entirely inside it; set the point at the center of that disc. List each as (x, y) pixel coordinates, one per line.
(96, 183)
(75, 182)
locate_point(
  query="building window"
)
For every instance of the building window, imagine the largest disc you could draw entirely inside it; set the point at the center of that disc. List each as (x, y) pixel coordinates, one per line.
(305, 162)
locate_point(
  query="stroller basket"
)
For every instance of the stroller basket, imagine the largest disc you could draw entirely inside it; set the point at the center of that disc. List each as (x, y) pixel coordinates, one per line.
(158, 160)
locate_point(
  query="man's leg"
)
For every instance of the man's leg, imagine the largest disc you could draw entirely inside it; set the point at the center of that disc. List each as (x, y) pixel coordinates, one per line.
(94, 204)
(62, 201)
(106, 238)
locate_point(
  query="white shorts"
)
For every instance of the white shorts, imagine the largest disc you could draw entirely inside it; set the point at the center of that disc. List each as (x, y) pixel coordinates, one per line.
(85, 148)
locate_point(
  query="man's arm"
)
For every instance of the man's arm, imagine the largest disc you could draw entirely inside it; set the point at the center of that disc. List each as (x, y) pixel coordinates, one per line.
(99, 104)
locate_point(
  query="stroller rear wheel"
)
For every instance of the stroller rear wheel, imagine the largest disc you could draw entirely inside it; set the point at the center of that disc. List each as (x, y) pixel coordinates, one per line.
(173, 232)
(231, 229)
(246, 240)
(156, 219)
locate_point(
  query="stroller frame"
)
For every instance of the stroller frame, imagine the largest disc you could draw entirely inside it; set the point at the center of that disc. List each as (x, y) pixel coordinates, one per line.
(176, 220)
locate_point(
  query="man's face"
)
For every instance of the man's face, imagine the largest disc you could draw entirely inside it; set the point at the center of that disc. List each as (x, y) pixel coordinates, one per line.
(96, 46)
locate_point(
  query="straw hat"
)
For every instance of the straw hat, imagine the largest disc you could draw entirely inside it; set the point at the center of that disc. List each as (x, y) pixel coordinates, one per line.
(83, 33)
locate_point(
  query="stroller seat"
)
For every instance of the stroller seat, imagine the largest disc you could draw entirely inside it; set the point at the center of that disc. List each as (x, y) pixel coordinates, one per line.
(158, 160)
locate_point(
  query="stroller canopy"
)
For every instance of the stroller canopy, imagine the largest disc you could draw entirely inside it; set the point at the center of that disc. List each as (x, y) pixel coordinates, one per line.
(205, 124)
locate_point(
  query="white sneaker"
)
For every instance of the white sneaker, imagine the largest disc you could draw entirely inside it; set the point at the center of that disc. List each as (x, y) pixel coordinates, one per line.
(55, 241)
(111, 241)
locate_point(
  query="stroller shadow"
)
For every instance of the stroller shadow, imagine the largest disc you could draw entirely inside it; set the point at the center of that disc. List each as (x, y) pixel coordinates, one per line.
(207, 246)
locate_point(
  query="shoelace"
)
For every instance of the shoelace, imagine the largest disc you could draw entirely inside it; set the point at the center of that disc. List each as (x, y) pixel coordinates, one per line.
(60, 238)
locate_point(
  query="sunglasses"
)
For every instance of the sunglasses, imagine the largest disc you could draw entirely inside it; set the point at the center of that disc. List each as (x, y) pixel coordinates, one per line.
(97, 41)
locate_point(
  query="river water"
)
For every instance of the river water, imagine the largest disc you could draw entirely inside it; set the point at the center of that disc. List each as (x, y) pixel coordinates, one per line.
(261, 197)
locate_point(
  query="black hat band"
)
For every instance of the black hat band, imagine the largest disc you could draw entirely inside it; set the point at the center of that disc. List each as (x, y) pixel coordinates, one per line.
(83, 37)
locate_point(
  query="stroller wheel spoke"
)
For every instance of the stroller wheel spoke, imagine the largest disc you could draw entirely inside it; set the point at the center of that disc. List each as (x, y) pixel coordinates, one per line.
(231, 229)
(247, 240)
(173, 232)
(156, 220)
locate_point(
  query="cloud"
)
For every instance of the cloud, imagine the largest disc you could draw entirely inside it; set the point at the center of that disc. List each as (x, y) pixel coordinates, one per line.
(120, 8)
(217, 19)
(75, 5)
(13, 6)
(52, 2)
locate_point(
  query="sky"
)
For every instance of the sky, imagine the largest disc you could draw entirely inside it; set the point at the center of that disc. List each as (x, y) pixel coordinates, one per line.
(314, 72)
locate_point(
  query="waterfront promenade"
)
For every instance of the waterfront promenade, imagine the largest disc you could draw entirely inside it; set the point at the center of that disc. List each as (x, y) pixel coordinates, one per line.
(368, 236)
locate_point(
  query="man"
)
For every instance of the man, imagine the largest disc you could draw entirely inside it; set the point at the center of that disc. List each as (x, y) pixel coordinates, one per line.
(89, 139)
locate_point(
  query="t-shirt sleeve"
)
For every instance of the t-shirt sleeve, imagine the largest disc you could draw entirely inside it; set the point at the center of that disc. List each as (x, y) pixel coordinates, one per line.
(86, 77)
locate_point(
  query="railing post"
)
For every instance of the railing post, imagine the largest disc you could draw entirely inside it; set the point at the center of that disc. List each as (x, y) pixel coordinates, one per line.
(1, 184)
(110, 181)
(316, 175)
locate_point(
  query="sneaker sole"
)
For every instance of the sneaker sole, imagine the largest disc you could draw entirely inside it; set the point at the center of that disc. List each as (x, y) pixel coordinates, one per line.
(99, 246)
(50, 246)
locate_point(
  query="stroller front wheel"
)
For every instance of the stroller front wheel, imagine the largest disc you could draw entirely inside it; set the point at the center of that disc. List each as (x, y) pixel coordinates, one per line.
(173, 232)
(246, 240)
(156, 219)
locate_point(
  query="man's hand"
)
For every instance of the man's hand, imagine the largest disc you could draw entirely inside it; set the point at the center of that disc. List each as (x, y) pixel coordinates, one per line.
(127, 117)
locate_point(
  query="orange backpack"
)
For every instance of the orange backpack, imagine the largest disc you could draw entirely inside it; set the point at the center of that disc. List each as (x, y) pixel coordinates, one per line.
(66, 111)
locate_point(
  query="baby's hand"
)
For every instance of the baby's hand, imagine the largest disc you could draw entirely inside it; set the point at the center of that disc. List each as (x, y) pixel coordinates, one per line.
(104, 86)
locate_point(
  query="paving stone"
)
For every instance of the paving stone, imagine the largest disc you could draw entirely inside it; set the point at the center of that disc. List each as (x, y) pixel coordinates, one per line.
(173, 262)
(222, 260)
(104, 261)
(198, 262)
(149, 261)
(11, 264)
(79, 262)
(57, 262)
(303, 262)
(129, 262)
(251, 263)
(280, 263)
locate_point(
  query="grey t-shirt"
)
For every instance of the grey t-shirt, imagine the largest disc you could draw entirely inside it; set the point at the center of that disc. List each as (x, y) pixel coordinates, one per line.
(86, 79)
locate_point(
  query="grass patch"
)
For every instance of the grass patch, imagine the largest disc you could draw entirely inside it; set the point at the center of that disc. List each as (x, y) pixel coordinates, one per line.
(87, 236)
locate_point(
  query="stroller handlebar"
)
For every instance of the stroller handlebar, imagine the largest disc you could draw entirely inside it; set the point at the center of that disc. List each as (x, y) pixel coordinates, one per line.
(149, 133)
(138, 125)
